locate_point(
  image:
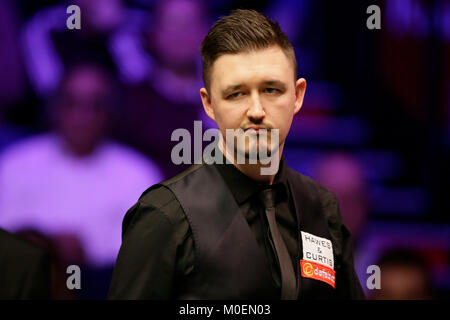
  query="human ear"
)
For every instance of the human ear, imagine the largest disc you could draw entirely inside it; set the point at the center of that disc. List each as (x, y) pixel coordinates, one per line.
(206, 101)
(300, 88)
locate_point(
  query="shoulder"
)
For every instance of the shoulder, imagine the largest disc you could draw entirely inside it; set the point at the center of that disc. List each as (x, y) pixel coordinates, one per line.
(158, 202)
(156, 206)
(161, 199)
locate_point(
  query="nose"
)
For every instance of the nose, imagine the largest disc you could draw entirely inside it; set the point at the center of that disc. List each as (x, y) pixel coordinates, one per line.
(256, 111)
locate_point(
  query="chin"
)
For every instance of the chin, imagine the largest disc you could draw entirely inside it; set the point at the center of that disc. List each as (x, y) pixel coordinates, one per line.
(252, 151)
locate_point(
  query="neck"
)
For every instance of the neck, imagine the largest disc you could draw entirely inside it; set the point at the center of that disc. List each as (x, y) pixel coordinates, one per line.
(254, 171)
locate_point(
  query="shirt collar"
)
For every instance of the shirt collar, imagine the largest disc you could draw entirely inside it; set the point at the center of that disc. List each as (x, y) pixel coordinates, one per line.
(243, 187)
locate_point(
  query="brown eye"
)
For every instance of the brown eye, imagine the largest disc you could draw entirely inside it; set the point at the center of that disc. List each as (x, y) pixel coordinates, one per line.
(271, 90)
(234, 95)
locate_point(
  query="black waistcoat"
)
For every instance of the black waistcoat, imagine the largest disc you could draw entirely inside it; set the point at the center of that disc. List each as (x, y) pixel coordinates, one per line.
(229, 263)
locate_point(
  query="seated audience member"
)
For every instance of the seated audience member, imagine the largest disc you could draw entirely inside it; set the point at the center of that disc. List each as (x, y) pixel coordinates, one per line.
(404, 276)
(74, 180)
(170, 89)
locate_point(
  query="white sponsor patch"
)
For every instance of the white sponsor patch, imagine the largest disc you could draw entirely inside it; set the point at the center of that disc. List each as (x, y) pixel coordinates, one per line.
(317, 249)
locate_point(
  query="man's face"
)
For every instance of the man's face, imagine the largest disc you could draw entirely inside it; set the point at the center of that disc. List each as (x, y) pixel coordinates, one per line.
(180, 27)
(82, 110)
(402, 282)
(254, 90)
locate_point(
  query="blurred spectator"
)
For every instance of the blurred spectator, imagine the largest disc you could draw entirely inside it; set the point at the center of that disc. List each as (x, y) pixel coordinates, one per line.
(50, 47)
(73, 181)
(343, 174)
(296, 19)
(163, 44)
(404, 276)
(169, 98)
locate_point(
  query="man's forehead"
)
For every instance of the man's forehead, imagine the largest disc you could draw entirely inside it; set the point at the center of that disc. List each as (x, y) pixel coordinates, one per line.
(263, 65)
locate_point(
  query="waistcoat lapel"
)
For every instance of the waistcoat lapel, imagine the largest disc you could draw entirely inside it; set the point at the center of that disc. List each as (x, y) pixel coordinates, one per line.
(311, 219)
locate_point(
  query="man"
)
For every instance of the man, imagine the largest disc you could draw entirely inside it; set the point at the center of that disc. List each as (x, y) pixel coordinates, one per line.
(228, 231)
(77, 181)
(406, 276)
(170, 51)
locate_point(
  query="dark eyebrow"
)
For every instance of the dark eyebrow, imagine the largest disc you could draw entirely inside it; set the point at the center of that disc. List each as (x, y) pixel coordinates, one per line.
(231, 88)
(275, 83)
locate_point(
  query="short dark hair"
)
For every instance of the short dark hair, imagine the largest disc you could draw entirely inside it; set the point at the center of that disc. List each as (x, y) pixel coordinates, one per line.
(242, 31)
